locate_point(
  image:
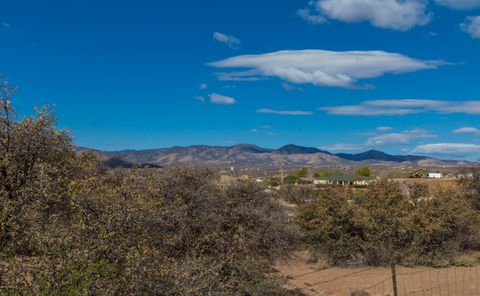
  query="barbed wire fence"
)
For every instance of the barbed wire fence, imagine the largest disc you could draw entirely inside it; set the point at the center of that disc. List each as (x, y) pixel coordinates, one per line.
(456, 281)
(452, 281)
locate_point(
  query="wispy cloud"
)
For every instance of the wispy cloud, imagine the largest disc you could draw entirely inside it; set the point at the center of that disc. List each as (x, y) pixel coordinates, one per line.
(342, 147)
(404, 107)
(312, 18)
(229, 40)
(9, 27)
(322, 67)
(203, 86)
(290, 87)
(448, 149)
(285, 112)
(401, 138)
(472, 26)
(460, 4)
(251, 75)
(384, 128)
(467, 130)
(401, 15)
(200, 98)
(263, 130)
(221, 99)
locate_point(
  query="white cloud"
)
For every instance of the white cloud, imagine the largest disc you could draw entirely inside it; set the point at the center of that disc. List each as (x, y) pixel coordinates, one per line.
(448, 149)
(342, 147)
(285, 112)
(384, 128)
(231, 41)
(460, 4)
(9, 27)
(322, 67)
(289, 87)
(467, 130)
(401, 138)
(200, 98)
(221, 99)
(263, 130)
(399, 15)
(239, 76)
(404, 107)
(307, 15)
(203, 86)
(472, 26)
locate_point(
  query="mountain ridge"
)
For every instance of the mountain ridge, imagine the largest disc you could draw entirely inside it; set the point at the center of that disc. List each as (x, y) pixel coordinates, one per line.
(249, 155)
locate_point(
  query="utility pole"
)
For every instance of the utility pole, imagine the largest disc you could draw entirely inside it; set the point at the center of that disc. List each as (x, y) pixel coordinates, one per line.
(232, 167)
(281, 175)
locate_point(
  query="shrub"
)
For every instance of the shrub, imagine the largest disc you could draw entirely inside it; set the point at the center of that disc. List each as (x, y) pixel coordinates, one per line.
(383, 225)
(68, 226)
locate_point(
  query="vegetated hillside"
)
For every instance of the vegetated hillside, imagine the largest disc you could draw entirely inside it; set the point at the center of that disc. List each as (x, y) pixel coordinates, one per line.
(245, 155)
(381, 156)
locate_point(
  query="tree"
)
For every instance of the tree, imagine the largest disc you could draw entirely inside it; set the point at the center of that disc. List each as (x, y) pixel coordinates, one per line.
(302, 173)
(274, 181)
(323, 174)
(68, 226)
(34, 159)
(291, 179)
(363, 172)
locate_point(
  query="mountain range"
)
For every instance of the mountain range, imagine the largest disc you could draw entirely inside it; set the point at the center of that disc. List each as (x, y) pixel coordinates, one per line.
(247, 155)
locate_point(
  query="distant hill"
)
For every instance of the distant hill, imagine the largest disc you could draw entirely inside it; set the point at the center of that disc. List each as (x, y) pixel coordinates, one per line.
(246, 155)
(294, 149)
(380, 156)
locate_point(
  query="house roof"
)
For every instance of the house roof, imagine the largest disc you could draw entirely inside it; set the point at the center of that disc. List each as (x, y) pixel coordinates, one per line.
(344, 178)
(420, 171)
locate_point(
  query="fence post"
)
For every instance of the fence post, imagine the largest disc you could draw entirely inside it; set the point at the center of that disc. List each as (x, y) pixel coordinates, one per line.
(394, 280)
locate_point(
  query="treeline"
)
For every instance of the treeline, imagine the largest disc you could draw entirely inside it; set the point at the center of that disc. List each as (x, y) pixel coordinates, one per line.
(68, 226)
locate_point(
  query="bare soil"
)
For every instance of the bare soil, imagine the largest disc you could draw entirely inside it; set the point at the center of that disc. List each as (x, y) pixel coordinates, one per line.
(320, 279)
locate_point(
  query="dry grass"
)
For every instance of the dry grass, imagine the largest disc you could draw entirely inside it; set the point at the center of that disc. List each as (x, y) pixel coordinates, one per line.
(433, 184)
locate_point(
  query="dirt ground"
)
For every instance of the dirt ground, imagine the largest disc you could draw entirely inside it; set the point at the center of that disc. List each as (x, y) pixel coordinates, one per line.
(433, 184)
(320, 279)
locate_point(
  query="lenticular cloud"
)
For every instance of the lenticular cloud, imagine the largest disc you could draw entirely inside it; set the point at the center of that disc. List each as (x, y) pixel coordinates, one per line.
(322, 67)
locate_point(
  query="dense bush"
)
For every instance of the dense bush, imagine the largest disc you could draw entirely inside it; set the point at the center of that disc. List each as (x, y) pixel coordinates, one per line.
(70, 227)
(384, 225)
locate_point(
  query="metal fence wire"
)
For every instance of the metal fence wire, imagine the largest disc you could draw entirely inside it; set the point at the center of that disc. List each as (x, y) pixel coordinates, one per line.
(454, 281)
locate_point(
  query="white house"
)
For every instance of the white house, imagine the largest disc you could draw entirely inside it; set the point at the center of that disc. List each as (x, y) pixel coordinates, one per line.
(435, 175)
(322, 182)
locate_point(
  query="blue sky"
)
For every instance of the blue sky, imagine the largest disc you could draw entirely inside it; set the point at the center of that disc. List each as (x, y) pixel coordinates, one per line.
(344, 75)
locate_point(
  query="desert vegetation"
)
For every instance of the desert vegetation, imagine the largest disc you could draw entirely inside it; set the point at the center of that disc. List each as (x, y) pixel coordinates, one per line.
(387, 225)
(70, 226)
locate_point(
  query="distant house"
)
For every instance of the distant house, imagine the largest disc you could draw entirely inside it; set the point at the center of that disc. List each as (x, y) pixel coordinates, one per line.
(343, 180)
(244, 178)
(435, 175)
(450, 176)
(419, 174)
(465, 176)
